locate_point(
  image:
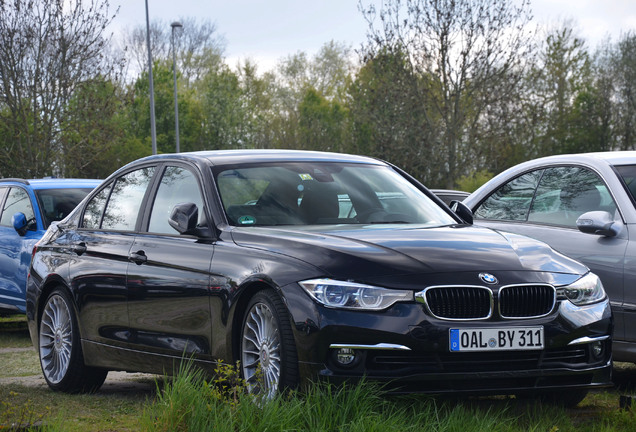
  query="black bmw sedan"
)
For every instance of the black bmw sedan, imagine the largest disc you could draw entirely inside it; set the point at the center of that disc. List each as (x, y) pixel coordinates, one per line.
(301, 266)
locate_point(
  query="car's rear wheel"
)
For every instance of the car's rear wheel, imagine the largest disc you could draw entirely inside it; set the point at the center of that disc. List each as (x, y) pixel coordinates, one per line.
(268, 352)
(61, 355)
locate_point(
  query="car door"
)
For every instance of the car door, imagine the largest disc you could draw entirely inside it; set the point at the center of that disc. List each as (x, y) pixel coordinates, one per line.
(15, 250)
(545, 203)
(103, 241)
(627, 175)
(168, 274)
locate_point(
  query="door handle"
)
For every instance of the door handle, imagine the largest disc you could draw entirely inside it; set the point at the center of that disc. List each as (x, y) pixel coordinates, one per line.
(138, 257)
(79, 249)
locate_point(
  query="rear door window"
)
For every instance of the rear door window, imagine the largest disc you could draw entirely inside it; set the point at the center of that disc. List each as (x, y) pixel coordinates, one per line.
(117, 207)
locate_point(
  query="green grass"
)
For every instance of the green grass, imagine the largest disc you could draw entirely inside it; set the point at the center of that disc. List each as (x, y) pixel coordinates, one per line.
(14, 332)
(15, 339)
(22, 360)
(72, 413)
(19, 364)
(189, 403)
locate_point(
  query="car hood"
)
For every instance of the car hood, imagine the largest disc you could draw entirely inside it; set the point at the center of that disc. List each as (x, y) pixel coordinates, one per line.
(393, 253)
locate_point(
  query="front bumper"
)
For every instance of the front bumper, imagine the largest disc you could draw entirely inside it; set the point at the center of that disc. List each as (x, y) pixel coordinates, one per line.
(483, 373)
(408, 350)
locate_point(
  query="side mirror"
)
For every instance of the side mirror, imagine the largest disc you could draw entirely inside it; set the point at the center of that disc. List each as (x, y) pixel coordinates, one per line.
(20, 223)
(184, 218)
(599, 223)
(462, 211)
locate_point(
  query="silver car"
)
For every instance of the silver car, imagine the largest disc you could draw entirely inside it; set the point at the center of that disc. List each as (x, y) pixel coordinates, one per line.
(582, 205)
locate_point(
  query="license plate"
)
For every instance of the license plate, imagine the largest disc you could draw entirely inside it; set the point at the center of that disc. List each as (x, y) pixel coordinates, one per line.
(492, 339)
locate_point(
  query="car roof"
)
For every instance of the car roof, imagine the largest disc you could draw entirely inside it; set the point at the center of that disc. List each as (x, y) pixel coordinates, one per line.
(54, 183)
(229, 157)
(612, 158)
(450, 192)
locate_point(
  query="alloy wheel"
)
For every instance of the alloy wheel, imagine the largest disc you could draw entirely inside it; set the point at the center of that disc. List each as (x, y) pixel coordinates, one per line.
(56, 339)
(261, 351)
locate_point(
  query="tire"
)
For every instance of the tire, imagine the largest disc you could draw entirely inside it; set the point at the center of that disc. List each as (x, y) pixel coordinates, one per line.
(269, 362)
(60, 348)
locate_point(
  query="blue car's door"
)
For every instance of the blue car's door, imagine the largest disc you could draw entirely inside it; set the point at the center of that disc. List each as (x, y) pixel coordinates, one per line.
(15, 250)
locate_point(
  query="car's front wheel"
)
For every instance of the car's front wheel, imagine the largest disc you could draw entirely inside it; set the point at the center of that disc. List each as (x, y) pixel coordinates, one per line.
(268, 352)
(61, 355)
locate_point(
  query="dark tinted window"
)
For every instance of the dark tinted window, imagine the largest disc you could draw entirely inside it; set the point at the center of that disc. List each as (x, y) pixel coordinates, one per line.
(124, 202)
(178, 185)
(628, 174)
(512, 200)
(95, 209)
(17, 201)
(56, 204)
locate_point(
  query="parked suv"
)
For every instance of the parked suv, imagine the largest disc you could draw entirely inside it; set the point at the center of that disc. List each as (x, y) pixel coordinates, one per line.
(27, 208)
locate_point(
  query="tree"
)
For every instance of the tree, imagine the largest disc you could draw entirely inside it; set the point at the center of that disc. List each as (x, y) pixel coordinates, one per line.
(388, 119)
(256, 100)
(563, 71)
(197, 43)
(625, 76)
(328, 73)
(323, 124)
(469, 53)
(138, 113)
(223, 111)
(93, 130)
(49, 50)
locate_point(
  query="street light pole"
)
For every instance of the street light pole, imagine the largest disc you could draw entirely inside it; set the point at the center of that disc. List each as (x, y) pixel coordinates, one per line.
(174, 71)
(153, 129)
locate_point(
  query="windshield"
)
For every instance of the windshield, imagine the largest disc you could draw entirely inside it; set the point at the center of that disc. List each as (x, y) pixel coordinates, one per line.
(323, 193)
(56, 204)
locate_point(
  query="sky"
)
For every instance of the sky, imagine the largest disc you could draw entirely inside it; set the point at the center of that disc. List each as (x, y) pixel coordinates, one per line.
(267, 31)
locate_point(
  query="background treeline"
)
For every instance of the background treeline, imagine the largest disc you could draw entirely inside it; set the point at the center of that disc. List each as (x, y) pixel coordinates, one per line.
(453, 91)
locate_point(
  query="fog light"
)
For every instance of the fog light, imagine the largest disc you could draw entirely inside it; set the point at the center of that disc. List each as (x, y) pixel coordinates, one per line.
(345, 356)
(597, 349)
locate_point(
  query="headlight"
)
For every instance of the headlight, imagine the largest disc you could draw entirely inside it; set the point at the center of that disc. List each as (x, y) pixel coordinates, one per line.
(586, 290)
(350, 295)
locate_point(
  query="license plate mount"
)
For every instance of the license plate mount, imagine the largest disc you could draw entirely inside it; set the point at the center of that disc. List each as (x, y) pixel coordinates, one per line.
(496, 339)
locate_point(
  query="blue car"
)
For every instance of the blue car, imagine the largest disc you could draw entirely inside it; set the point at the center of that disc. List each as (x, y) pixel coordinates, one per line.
(27, 208)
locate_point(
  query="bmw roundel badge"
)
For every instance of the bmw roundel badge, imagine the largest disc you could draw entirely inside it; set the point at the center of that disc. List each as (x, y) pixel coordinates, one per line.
(488, 278)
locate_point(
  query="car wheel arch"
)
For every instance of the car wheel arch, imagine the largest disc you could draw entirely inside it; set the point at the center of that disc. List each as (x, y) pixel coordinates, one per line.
(247, 291)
